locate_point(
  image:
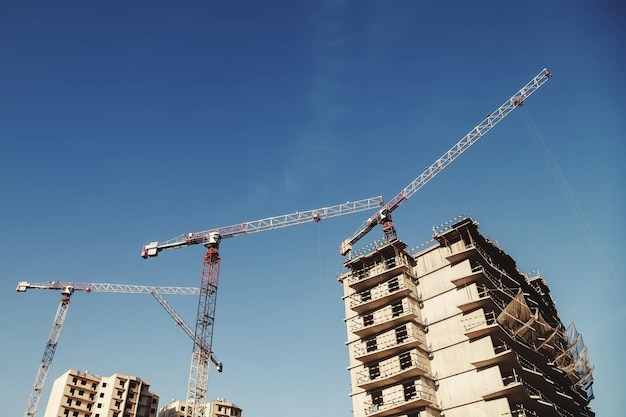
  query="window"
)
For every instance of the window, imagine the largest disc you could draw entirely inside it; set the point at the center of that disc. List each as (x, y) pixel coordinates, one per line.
(81, 392)
(182, 408)
(391, 263)
(377, 399)
(409, 390)
(83, 382)
(94, 385)
(72, 390)
(75, 413)
(99, 405)
(401, 334)
(393, 284)
(121, 383)
(74, 380)
(374, 371)
(366, 295)
(78, 403)
(397, 308)
(370, 345)
(405, 360)
(120, 393)
(102, 395)
(69, 401)
(368, 320)
(117, 404)
(104, 384)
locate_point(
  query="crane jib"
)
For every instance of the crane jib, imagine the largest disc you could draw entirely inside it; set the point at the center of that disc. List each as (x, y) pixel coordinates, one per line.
(492, 119)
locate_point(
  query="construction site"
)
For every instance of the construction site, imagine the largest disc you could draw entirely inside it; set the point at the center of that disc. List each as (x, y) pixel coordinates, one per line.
(450, 328)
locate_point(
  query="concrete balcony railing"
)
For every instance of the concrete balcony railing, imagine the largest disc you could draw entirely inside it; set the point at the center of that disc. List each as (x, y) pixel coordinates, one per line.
(399, 399)
(389, 343)
(478, 296)
(408, 364)
(382, 270)
(383, 319)
(480, 325)
(381, 294)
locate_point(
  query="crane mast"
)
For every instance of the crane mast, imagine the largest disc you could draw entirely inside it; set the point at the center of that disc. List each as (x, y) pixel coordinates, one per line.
(48, 353)
(186, 328)
(383, 216)
(67, 289)
(203, 336)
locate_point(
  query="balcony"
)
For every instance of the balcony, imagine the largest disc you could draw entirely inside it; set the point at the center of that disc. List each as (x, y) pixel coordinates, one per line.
(389, 343)
(479, 296)
(386, 318)
(502, 355)
(384, 293)
(517, 390)
(380, 271)
(475, 275)
(468, 253)
(409, 364)
(400, 399)
(480, 326)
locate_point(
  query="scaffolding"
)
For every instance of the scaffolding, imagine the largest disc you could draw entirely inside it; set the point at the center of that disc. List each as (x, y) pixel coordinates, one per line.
(562, 346)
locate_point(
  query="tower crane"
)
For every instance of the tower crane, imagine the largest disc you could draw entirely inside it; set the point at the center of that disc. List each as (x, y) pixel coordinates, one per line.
(187, 329)
(383, 215)
(67, 289)
(205, 319)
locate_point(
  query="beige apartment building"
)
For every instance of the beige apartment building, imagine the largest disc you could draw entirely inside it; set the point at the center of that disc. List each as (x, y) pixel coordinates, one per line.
(218, 408)
(81, 394)
(455, 329)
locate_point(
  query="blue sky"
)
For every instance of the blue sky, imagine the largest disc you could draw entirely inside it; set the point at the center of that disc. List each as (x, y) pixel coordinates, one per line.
(128, 122)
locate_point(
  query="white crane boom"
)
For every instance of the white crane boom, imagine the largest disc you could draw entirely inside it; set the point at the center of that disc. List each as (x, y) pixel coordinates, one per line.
(67, 289)
(205, 319)
(186, 328)
(105, 287)
(383, 216)
(276, 222)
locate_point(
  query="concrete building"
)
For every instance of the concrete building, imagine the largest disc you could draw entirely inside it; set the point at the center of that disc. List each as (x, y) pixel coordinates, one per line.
(80, 394)
(456, 329)
(218, 408)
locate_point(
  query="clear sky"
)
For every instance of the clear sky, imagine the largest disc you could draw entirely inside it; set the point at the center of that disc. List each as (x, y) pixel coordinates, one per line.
(127, 122)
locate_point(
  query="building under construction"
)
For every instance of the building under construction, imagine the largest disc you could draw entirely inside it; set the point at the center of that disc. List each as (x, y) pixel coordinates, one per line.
(81, 394)
(456, 329)
(219, 407)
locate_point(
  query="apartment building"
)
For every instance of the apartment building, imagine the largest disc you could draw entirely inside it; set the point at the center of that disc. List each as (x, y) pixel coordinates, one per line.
(217, 408)
(81, 394)
(455, 329)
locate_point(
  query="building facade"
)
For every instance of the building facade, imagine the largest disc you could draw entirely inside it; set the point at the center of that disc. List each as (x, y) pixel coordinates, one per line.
(457, 330)
(217, 408)
(81, 394)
